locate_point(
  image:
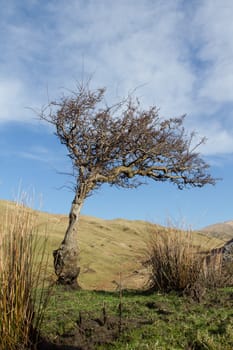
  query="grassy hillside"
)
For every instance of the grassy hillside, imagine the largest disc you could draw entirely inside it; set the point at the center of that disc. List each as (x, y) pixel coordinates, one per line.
(108, 248)
(220, 230)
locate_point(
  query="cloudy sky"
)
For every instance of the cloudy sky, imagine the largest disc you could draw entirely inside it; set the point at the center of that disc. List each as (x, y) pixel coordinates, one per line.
(177, 54)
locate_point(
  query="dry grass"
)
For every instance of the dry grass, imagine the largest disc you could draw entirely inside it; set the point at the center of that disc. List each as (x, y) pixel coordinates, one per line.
(177, 263)
(107, 247)
(172, 260)
(22, 291)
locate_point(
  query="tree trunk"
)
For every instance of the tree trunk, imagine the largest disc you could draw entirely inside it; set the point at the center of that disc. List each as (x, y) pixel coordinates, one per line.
(66, 256)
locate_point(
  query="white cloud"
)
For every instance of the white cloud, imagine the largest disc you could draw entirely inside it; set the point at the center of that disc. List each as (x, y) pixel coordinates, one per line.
(12, 100)
(214, 31)
(219, 140)
(130, 44)
(181, 51)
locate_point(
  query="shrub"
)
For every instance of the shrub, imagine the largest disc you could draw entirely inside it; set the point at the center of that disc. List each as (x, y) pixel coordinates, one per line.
(22, 290)
(175, 263)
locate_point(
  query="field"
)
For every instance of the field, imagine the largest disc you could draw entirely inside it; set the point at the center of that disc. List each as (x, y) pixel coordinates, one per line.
(91, 320)
(114, 310)
(107, 247)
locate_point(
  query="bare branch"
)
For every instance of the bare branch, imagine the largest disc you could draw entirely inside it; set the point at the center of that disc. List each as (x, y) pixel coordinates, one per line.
(122, 143)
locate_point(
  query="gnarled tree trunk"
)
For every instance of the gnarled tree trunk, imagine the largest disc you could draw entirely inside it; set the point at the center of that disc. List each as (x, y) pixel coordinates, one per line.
(66, 256)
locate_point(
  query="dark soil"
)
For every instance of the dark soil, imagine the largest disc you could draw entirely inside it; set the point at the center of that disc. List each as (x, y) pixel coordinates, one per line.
(91, 332)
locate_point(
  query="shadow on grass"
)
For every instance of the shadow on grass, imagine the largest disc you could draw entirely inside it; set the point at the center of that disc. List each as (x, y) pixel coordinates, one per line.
(125, 292)
(46, 345)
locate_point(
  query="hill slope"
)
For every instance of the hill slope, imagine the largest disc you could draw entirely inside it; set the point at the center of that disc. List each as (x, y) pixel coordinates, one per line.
(108, 248)
(220, 230)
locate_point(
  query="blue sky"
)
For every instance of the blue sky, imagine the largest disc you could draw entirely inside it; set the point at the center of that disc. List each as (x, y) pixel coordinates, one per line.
(179, 56)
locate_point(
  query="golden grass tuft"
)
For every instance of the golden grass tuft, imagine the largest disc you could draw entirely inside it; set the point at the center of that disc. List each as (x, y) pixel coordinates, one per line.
(172, 260)
(22, 288)
(177, 263)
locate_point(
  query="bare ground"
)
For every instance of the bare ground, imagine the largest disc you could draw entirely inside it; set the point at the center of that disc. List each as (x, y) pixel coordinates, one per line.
(91, 332)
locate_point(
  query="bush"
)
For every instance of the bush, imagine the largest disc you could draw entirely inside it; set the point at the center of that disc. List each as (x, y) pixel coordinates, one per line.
(172, 260)
(22, 290)
(176, 264)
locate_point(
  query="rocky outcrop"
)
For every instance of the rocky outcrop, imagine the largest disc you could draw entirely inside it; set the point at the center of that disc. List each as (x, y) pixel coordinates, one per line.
(227, 251)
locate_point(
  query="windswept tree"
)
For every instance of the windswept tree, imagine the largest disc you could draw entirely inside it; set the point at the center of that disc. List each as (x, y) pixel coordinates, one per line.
(121, 145)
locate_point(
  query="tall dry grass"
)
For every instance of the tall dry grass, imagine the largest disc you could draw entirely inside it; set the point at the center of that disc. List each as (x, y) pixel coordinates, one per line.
(23, 295)
(176, 264)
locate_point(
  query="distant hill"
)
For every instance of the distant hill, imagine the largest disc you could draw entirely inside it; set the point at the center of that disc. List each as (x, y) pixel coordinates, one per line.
(222, 231)
(108, 248)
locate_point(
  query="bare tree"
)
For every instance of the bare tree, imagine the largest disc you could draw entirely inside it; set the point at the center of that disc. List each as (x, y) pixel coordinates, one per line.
(121, 145)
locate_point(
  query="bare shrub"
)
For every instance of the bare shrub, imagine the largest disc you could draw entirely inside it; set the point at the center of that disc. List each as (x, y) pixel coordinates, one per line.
(22, 276)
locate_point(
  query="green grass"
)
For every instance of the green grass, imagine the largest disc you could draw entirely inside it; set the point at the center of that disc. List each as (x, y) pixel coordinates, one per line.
(161, 321)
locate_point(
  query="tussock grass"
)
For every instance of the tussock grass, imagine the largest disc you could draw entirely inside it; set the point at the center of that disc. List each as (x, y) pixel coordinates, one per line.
(176, 263)
(172, 260)
(23, 295)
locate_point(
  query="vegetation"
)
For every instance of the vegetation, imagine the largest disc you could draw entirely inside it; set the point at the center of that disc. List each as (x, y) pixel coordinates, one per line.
(155, 321)
(177, 263)
(121, 145)
(100, 319)
(22, 291)
(107, 247)
(199, 316)
(173, 260)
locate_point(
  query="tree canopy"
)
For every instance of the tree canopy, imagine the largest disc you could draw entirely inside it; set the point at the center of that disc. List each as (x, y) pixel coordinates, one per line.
(123, 144)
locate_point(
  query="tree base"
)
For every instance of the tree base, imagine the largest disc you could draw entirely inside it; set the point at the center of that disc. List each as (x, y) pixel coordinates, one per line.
(66, 267)
(67, 284)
